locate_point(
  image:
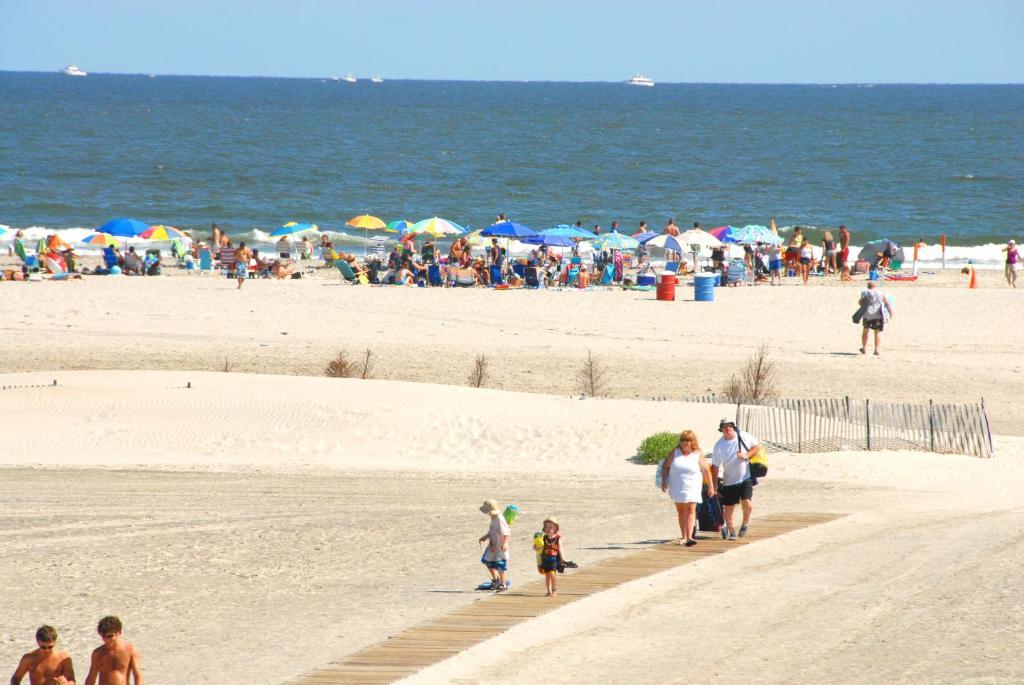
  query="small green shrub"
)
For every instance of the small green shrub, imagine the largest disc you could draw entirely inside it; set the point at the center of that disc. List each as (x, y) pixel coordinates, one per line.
(656, 447)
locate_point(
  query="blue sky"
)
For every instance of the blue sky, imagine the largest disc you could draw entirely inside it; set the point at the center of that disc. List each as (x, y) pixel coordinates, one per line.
(745, 41)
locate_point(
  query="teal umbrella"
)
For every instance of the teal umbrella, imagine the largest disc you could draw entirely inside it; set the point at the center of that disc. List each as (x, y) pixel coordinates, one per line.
(291, 228)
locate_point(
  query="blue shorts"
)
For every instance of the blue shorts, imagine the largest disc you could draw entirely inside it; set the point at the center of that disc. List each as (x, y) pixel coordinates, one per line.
(497, 564)
(775, 264)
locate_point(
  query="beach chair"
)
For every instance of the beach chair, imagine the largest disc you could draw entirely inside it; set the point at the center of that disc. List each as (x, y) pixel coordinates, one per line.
(434, 274)
(519, 270)
(608, 276)
(109, 258)
(497, 278)
(573, 276)
(671, 267)
(205, 261)
(532, 277)
(179, 251)
(350, 276)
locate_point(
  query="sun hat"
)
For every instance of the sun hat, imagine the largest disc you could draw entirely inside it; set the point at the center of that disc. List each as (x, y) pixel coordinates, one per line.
(489, 507)
(553, 521)
(725, 422)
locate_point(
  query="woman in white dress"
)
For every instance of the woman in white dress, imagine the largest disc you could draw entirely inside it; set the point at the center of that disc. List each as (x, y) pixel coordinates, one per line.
(683, 473)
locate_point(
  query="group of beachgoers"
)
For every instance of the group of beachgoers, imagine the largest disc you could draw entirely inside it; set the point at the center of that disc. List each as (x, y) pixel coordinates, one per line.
(112, 663)
(685, 474)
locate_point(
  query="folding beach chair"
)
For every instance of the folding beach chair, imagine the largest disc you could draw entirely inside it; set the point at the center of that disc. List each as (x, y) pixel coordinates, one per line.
(532, 277)
(608, 276)
(350, 276)
(434, 274)
(109, 258)
(573, 277)
(671, 267)
(205, 261)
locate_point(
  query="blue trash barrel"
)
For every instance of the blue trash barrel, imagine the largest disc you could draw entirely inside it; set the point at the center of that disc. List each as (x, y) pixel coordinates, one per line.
(704, 287)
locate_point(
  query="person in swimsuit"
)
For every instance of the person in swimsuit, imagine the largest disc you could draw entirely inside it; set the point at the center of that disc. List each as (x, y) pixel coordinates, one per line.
(844, 252)
(828, 248)
(242, 257)
(683, 473)
(1012, 259)
(806, 255)
(793, 249)
(115, 661)
(46, 664)
(550, 557)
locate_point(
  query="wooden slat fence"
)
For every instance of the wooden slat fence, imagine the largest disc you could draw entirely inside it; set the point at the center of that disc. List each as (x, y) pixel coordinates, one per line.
(829, 425)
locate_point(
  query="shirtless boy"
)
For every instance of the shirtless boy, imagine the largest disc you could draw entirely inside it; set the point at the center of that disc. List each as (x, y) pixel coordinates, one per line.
(46, 665)
(114, 659)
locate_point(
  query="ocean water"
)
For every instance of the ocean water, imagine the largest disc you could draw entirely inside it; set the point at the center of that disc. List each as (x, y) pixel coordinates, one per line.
(898, 161)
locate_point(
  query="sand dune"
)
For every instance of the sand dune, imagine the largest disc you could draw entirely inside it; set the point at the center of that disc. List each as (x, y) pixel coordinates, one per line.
(255, 527)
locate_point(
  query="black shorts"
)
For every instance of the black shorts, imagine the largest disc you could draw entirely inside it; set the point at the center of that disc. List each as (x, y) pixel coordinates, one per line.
(732, 494)
(874, 324)
(805, 260)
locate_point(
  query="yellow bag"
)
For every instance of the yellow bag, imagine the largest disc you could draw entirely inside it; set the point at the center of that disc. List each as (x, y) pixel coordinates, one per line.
(759, 462)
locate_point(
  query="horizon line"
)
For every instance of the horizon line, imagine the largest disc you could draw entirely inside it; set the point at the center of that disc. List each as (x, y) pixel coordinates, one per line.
(509, 80)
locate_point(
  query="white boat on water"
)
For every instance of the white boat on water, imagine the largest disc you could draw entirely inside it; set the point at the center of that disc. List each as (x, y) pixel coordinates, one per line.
(73, 70)
(349, 78)
(640, 80)
(376, 79)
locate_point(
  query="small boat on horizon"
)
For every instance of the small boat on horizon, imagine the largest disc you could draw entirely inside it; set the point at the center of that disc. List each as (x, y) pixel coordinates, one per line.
(73, 70)
(376, 79)
(349, 78)
(640, 80)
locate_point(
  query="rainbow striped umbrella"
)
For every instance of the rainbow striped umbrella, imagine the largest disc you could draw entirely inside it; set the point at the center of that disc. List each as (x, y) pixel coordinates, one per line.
(435, 226)
(400, 226)
(104, 239)
(162, 233)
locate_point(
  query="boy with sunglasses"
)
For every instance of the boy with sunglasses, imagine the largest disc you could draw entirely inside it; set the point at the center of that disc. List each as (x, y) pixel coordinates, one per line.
(114, 660)
(47, 664)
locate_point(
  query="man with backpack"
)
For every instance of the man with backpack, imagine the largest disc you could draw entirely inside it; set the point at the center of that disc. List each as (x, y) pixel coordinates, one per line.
(730, 462)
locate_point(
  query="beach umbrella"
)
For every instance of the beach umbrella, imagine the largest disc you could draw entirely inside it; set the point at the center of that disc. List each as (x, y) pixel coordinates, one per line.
(104, 239)
(367, 223)
(292, 228)
(869, 253)
(615, 241)
(436, 227)
(567, 231)
(549, 240)
(507, 229)
(124, 228)
(399, 226)
(643, 236)
(723, 233)
(668, 242)
(163, 233)
(698, 238)
(761, 234)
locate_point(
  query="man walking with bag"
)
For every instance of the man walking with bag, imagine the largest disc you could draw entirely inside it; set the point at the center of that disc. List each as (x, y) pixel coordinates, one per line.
(730, 461)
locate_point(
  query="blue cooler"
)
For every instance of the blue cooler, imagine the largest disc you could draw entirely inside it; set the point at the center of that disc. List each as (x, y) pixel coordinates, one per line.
(718, 279)
(646, 279)
(704, 287)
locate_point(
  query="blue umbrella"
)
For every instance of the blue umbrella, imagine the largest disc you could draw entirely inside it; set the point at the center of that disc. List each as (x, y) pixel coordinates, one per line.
(123, 228)
(507, 229)
(549, 240)
(291, 228)
(567, 231)
(645, 236)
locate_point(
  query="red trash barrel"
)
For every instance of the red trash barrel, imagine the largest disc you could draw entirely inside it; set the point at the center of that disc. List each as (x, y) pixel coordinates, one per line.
(666, 288)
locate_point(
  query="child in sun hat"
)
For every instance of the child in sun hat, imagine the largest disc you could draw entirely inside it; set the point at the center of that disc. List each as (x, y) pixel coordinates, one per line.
(495, 557)
(550, 556)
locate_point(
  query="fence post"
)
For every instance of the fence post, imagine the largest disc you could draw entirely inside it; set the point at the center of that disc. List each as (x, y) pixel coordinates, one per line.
(931, 426)
(847, 408)
(867, 421)
(737, 419)
(799, 426)
(988, 427)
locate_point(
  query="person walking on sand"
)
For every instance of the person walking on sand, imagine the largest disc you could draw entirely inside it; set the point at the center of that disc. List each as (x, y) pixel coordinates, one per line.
(242, 257)
(45, 665)
(550, 556)
(844, 252)
(115, 661)
(1012, 259)
(806, 257)
(495, 557)
(875, 311)
(730, 461)
(684, 471)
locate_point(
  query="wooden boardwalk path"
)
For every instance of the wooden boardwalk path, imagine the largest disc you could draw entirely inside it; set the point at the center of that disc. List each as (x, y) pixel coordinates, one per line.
(411, 650)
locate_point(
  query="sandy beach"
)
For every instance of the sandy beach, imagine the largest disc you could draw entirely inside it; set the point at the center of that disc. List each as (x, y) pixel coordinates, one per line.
(254, 527)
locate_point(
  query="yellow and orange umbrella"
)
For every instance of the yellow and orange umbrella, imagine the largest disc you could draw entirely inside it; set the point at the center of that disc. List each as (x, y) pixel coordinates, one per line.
(367, 222)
